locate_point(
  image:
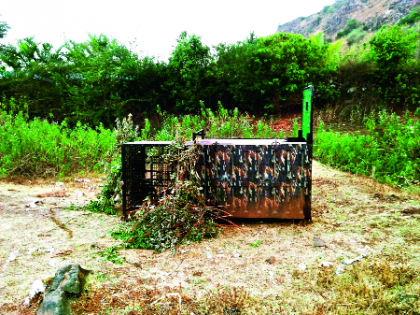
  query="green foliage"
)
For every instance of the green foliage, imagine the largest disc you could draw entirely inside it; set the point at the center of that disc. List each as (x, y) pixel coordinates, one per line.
(91, 82)
(36, 147)
(295, 127)
(393, 45)
(111, 255)
(412, 18)
(100, 80)
(222, 123)
(396, 74)
(189, 68)
(4, 27)
(355, 36)
(328, 9)
(390, 156)
(351, 25)
(180, 217)
(111, 192)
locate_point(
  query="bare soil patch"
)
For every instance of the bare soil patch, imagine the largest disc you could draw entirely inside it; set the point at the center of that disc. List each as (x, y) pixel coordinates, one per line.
(272, 267)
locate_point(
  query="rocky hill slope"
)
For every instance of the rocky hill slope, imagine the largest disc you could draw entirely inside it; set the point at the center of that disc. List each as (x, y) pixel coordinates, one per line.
(371, 14)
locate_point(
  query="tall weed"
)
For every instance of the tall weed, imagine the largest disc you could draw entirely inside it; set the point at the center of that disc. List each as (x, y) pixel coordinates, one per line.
(219, 124)
(40, 148)
(389, 150)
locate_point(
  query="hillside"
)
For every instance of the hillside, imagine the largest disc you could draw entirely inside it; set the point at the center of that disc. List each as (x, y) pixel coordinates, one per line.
(369, 14)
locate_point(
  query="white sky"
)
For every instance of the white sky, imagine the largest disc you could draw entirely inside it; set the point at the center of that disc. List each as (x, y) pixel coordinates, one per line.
(155, 25)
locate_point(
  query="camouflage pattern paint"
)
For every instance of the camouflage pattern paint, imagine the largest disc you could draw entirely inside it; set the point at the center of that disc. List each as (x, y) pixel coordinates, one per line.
(251, 181)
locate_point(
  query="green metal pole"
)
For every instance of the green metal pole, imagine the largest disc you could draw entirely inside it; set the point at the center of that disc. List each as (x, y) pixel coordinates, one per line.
(306, 112)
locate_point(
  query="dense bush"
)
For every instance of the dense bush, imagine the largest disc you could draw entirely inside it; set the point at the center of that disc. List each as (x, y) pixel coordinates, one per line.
(355, 36)
(40, 148)
(412, 18)
(99, 80)
(389, 151)
(396, 72)
(351, 25)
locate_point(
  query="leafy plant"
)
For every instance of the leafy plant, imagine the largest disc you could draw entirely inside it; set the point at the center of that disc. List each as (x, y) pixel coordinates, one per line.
(111, 255)
(36, 147)
(111, 192)
(351, 25)
(179, 217)
(355, 36)
(412, 18)
(391, 156)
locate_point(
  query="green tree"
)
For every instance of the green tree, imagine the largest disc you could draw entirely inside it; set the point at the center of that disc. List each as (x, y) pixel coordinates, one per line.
(4, 27)
(99, 70)
(393, 45)
(28, 52)
(392, 49)
(351, 25)
(188, 70)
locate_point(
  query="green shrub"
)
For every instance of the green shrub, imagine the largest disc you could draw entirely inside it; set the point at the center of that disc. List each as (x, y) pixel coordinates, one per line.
(412, 18)
(351, 25)
(36, 147)
(392, 156)
(355, 36)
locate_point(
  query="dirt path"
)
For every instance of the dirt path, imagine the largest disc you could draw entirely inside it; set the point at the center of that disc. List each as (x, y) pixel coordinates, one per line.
(352, 215)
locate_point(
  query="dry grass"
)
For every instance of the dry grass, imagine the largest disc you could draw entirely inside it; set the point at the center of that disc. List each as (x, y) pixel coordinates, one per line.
(350, 212)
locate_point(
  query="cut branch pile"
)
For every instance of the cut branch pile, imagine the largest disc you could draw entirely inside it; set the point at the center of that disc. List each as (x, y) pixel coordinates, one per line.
(180, 217)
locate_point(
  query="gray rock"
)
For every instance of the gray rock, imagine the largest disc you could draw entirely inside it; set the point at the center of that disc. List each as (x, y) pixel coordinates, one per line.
(55, 303)
(68, 280)
(318, 242)
(75, 276)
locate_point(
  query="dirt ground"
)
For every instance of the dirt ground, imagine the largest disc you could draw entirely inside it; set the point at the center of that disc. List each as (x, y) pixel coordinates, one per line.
(353, 215)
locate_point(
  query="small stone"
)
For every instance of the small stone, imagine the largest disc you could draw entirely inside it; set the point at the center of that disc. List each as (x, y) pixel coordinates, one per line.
(12, 257)
(137, 265)
(236, 255)
(318, 242)
(411, 209)
(326, 264)
(271, 260)
(37, 287)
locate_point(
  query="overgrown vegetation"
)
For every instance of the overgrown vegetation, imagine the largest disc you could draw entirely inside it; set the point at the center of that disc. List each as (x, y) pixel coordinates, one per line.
(100, 80)
(388, 151)
(412, 18)
(180, 217)
(351, 25)
(40, 148)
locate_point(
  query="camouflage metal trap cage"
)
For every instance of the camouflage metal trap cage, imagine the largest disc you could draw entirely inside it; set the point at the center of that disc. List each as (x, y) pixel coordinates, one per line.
(249, 178)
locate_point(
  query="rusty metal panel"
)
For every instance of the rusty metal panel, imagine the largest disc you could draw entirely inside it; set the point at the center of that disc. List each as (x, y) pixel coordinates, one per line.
(252, 181)
(247, 180)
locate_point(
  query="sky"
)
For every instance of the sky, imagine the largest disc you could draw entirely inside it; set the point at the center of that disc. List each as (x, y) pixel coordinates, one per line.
(149, 28)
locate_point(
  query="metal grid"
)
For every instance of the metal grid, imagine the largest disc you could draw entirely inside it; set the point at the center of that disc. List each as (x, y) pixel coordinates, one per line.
(144, 178)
